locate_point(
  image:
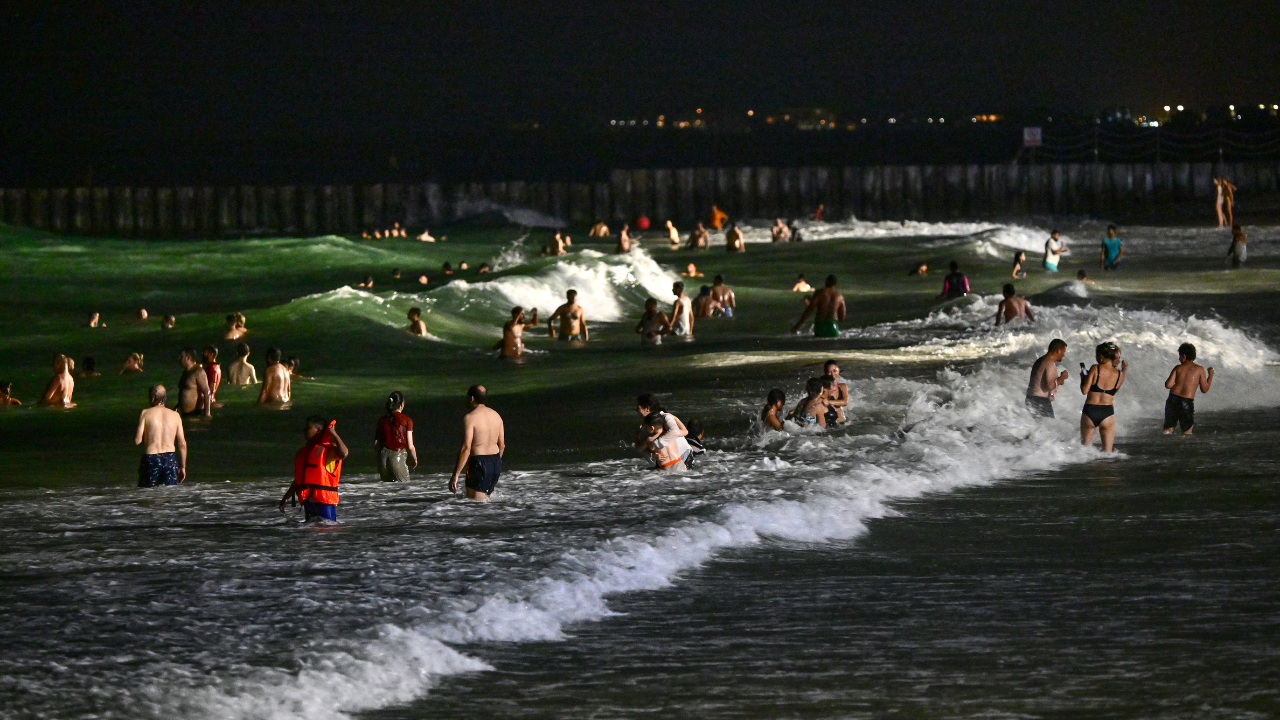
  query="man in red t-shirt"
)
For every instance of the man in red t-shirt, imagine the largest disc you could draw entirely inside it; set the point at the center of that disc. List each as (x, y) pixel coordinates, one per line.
(394, 441)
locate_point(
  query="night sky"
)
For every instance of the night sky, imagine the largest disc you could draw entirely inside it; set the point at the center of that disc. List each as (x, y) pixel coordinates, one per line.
(123, 70)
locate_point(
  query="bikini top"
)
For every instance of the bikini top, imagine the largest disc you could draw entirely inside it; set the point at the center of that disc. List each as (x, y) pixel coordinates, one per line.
(1095, 389)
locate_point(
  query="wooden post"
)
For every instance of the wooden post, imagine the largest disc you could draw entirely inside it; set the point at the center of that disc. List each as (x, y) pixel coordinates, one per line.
(269, 210)
(642, 193)
(892, 181)
(327, 215)
(724, 194)
(393, 210)
(122, 205)
(789, 192)
(744, 200)
(434, 196)
(663, 196)
(620, 187)
(40, 208)
(310, 218)
(806, 183)
(580, 212)
(371, 199)
(186, 198)
(58, 201)
(540, 196)
(206, 212)
(601, 203)
(228, 212)
(164, 212)
(913, 192)
(870, 191)
(766, 192)
(850, 193)
(348, 221)
(686, 196)
(15, 206)
(287, 201)
(144, 212)
(82, 211)
(704, 191)
(100, 220)
(248, 217)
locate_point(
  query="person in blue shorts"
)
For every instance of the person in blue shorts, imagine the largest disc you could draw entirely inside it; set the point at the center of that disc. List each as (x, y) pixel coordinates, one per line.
(317, 468)
(484, 440)
(1112, 250)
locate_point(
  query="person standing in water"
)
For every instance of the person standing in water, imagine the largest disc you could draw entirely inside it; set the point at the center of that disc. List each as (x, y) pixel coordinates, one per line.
(213, 373)
(6, 395)
(955, 284)
(839, 396)
(828, 309)
(772, 406)
(317, 469)
(1112, 250)
(573, 319)
(1237, 252)
(723, 294)
(393, 440)
(653, 324)
(164, 446)
(812, 408)
(665, 457)
(1184, 380)
(1053, 248)
(132, 364)
(416, 326)
(61, 385)
(1045, 379)
(484, 441)
(718, 217)
(240, 372)
(681, 313)
(699, 237)
(779, 232)
(733, 239)
(512, 343)
(673, 235)
(624, 240)
(1013, 307)
(674, 432)
(1099, 385)
(277, 386)
(194, 398)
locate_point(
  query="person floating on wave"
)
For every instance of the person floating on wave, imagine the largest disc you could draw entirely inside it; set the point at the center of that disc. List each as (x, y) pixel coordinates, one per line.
(573, 320)
(955, 284)
(801, 285)
(705, 306)
(653, 324)
(317, 469)
(691, 271)
(89, 368)
(133, 364)
(733, 239)
(240, 372)
(62, 384)
(164, 446)
(6, 395)
(674, 433)
(665, 457)
(723, 294)
(416, 326)
(511, 345)
(681, 313)
(1099, 385)
(838, 396)
(718, 217)
(699, 238)
(1054, 249)
(1045, 379)
(1013, 307)
(1238, 251)
(194, 398)
(772, 406)
(1112, 250)
(779, 232)
(673, 235)
(812, 408)
(277, 387)
(624, 240)
(1019, 259)
(484, 441)
(828, 309)
(393, 439)
(1184, 380)
(212, 373)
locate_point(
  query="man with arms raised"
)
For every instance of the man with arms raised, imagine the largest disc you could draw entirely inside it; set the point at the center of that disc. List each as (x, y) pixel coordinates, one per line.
(277, 387)
(240, 372)
(723, 295)
(512, 342)
(164, 447)
(484, 441)
(828, 309)
(194, 398)
(573, 321)
(1045, 379)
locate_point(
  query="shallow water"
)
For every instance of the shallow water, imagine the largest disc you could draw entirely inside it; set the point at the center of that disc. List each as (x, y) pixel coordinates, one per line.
(944, 554)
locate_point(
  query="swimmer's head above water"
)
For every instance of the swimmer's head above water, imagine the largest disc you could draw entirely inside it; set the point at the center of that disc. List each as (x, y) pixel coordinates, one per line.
(157, 395)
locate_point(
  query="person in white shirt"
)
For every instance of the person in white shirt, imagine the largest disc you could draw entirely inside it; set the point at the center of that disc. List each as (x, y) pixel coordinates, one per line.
(1053, 251)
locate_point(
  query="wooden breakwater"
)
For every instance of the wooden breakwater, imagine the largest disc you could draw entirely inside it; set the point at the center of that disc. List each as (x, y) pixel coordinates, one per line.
(883, 192)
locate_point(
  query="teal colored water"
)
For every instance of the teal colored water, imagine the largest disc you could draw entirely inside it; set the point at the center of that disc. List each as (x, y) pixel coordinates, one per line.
(944, 554)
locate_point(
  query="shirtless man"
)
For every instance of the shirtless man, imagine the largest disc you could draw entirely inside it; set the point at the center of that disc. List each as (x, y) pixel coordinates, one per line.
(839, 397)
(779, 231)
(723, 295)
(733, 239)
(555, 246)
(164, 446)
(624, 240)
(240, 372)
(276, 385)
(512, 342)
(484, 441)
(193, 387)
(1184, 380)
(599, 230)
(681, 313)
(699, 238)
(235, 327)
(827, 307)
(62, 385)
(703, 305)
(416, 326)
(133, 364)
(212, 371)
(573, 321)
(673, 235)
(1045, 379)
(1013, 307)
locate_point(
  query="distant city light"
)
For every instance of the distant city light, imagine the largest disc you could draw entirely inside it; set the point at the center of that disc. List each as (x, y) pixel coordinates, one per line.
(931, 120)
(1166, 108)
(699, 111)
(942, 120)
(1233, 107)
(613, 122)
(893, 121)
(1180, 108)
(646, 122)
(1260, 107)
(751, 113)
(864, 121)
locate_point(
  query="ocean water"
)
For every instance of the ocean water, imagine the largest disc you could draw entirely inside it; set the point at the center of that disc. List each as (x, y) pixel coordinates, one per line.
(796, 573)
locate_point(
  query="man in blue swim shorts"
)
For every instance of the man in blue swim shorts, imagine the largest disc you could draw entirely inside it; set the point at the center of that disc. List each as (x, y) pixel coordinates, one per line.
(483, 443)
(164, 447)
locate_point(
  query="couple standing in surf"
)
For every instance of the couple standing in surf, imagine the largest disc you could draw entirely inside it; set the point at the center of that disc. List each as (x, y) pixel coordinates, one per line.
(1100, 383)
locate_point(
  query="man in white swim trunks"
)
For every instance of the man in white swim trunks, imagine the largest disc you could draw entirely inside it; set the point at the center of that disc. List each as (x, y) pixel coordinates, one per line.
(681, 313)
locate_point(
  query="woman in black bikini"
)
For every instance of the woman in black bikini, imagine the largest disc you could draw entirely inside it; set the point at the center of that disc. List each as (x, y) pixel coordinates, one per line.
(1099, 411)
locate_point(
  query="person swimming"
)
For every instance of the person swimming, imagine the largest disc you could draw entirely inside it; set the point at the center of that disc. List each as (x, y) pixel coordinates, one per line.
(801, 285)
(416, 326)
(1099, 384)
(132, 364)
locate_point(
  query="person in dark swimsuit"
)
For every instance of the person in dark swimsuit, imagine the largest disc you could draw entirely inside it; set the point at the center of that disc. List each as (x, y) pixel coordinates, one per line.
(1099, 386)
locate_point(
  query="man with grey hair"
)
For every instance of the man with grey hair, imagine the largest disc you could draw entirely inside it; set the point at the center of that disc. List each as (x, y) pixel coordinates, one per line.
(164, 447)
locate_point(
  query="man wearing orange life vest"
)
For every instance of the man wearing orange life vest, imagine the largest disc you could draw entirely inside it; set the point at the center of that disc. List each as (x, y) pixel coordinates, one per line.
(316, 470)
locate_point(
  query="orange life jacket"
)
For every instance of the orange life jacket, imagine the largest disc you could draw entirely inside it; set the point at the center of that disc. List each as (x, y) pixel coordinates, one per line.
(316, 471)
